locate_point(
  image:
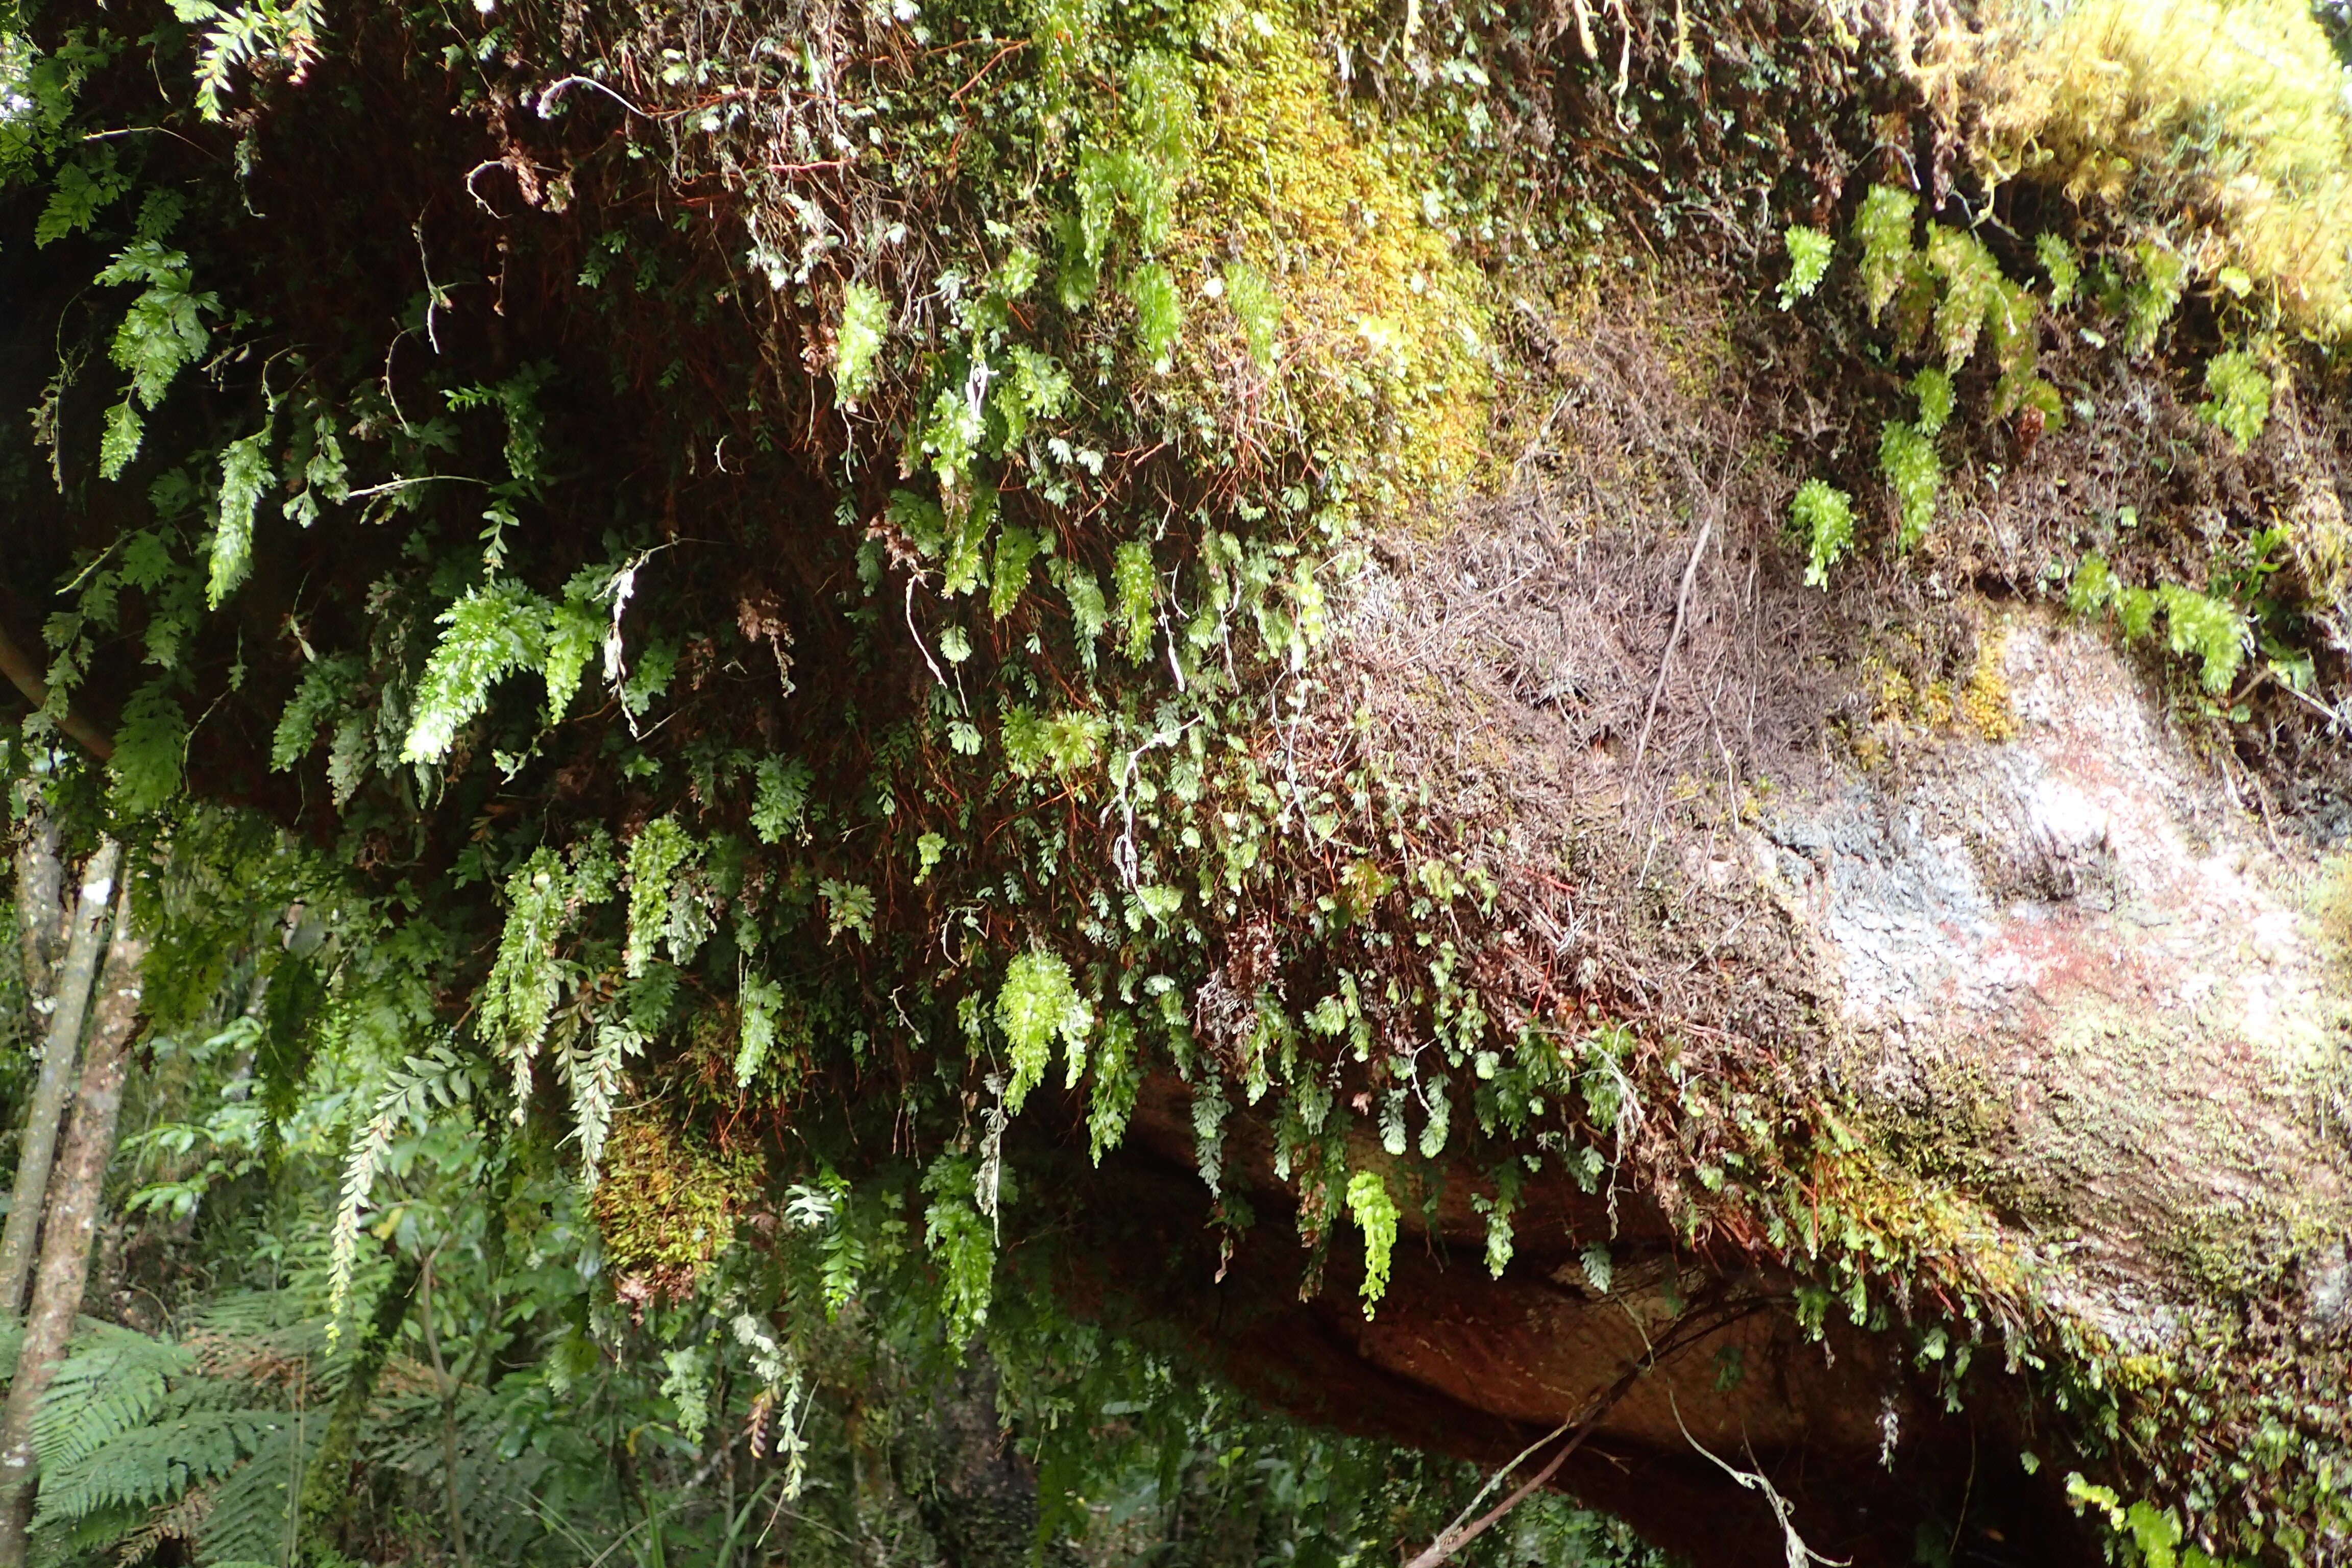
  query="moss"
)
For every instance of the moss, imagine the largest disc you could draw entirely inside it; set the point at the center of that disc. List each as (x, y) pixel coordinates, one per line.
(668, 1206)
(2230, 111)
(1984, 702)
(1380, 336)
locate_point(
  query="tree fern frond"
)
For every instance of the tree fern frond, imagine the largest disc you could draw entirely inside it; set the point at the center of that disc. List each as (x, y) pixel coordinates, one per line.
(247, 1521)
(112, 1380)
(155, 1464)
(180, 1521)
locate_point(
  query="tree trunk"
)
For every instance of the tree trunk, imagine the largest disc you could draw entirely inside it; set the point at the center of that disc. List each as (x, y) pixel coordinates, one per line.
(326, 1490)
(70, 1003)
(40, 908)
(72, 1224)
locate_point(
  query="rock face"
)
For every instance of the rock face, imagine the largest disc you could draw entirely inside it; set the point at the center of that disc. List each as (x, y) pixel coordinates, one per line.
(2093, 980)
(2053, 963)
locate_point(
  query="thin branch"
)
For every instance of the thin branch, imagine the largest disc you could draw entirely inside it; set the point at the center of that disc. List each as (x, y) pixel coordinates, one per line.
(25, 677)
(1798, 1554)
(1685, 1331)
(1682, 612)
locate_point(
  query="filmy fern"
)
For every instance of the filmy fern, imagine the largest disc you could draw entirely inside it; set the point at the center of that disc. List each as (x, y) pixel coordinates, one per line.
(1908, 460)
(244, 474)
(1037, 1003)
(657, 855)
(1821, 518)
(1375, 1214)
(864, 322)
(493, 632)
(2237, 397)
(1809, 262)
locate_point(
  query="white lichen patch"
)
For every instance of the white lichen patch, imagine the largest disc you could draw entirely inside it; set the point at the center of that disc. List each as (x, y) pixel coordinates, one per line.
(2073, 957)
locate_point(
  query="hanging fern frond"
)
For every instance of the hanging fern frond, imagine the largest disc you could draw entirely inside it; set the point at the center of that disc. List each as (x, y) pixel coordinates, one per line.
(411, 1094)
(526, 980)
(595, 1076)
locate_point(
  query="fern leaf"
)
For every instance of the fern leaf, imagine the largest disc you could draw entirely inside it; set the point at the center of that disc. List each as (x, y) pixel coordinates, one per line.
(247, 1521)
(411, 1094)
(526, 980)
(111, 1381)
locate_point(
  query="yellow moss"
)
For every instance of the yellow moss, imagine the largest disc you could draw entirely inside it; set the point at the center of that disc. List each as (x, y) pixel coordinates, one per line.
(1984, 702)
(2331, 904)
(1380, 347)
(2233, 111)
(1982, 706)
(667, 1206)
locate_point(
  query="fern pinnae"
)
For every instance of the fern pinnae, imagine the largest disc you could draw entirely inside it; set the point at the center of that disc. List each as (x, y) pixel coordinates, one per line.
(410, 1093)
(526, 980)
(595, 1075)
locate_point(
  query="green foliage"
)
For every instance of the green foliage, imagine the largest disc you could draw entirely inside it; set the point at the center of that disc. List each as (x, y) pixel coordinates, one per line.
(1933, 387)
(1882, 226)
(964, 1244)
(1969, 281)
(2150, 298)
(1375, 1214)
(245, 475)
(1037, 1003)
(162, 332)
(1908, 458)
(1809, 262)
(526, 980)
(2212, 630)
(659, 905)
(410, 1096)
(1255, 304)
(248, 37)
(81, 189)
(1821, 518)
(865, 322)
(1159, 315)
(826, 874)
(494, 631)
(1133, 581)
(2237, 397)
(151, 746)
(2143, 110)
(2059, 262)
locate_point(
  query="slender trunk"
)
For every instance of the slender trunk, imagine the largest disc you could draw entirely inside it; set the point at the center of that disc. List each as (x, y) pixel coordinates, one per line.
(449, 1386)
(38, 1145)
(40, 910)
(72, 1225)
(326, 1490)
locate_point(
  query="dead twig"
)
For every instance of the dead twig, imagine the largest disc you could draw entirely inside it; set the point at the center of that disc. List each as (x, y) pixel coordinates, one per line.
(1800, 1555)
(1693, 1326)
(1682, 613)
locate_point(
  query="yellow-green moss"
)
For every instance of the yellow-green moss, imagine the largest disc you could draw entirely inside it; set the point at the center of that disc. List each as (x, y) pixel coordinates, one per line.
(2230, 114)
(1380, 351)
(668, 1205)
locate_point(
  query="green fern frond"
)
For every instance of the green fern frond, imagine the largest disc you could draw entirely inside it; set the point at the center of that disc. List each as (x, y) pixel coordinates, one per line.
(526, 979)
(155, 1464)
(247, 1520)
(111, 1381)
(595, 1072)
(411, 1094)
